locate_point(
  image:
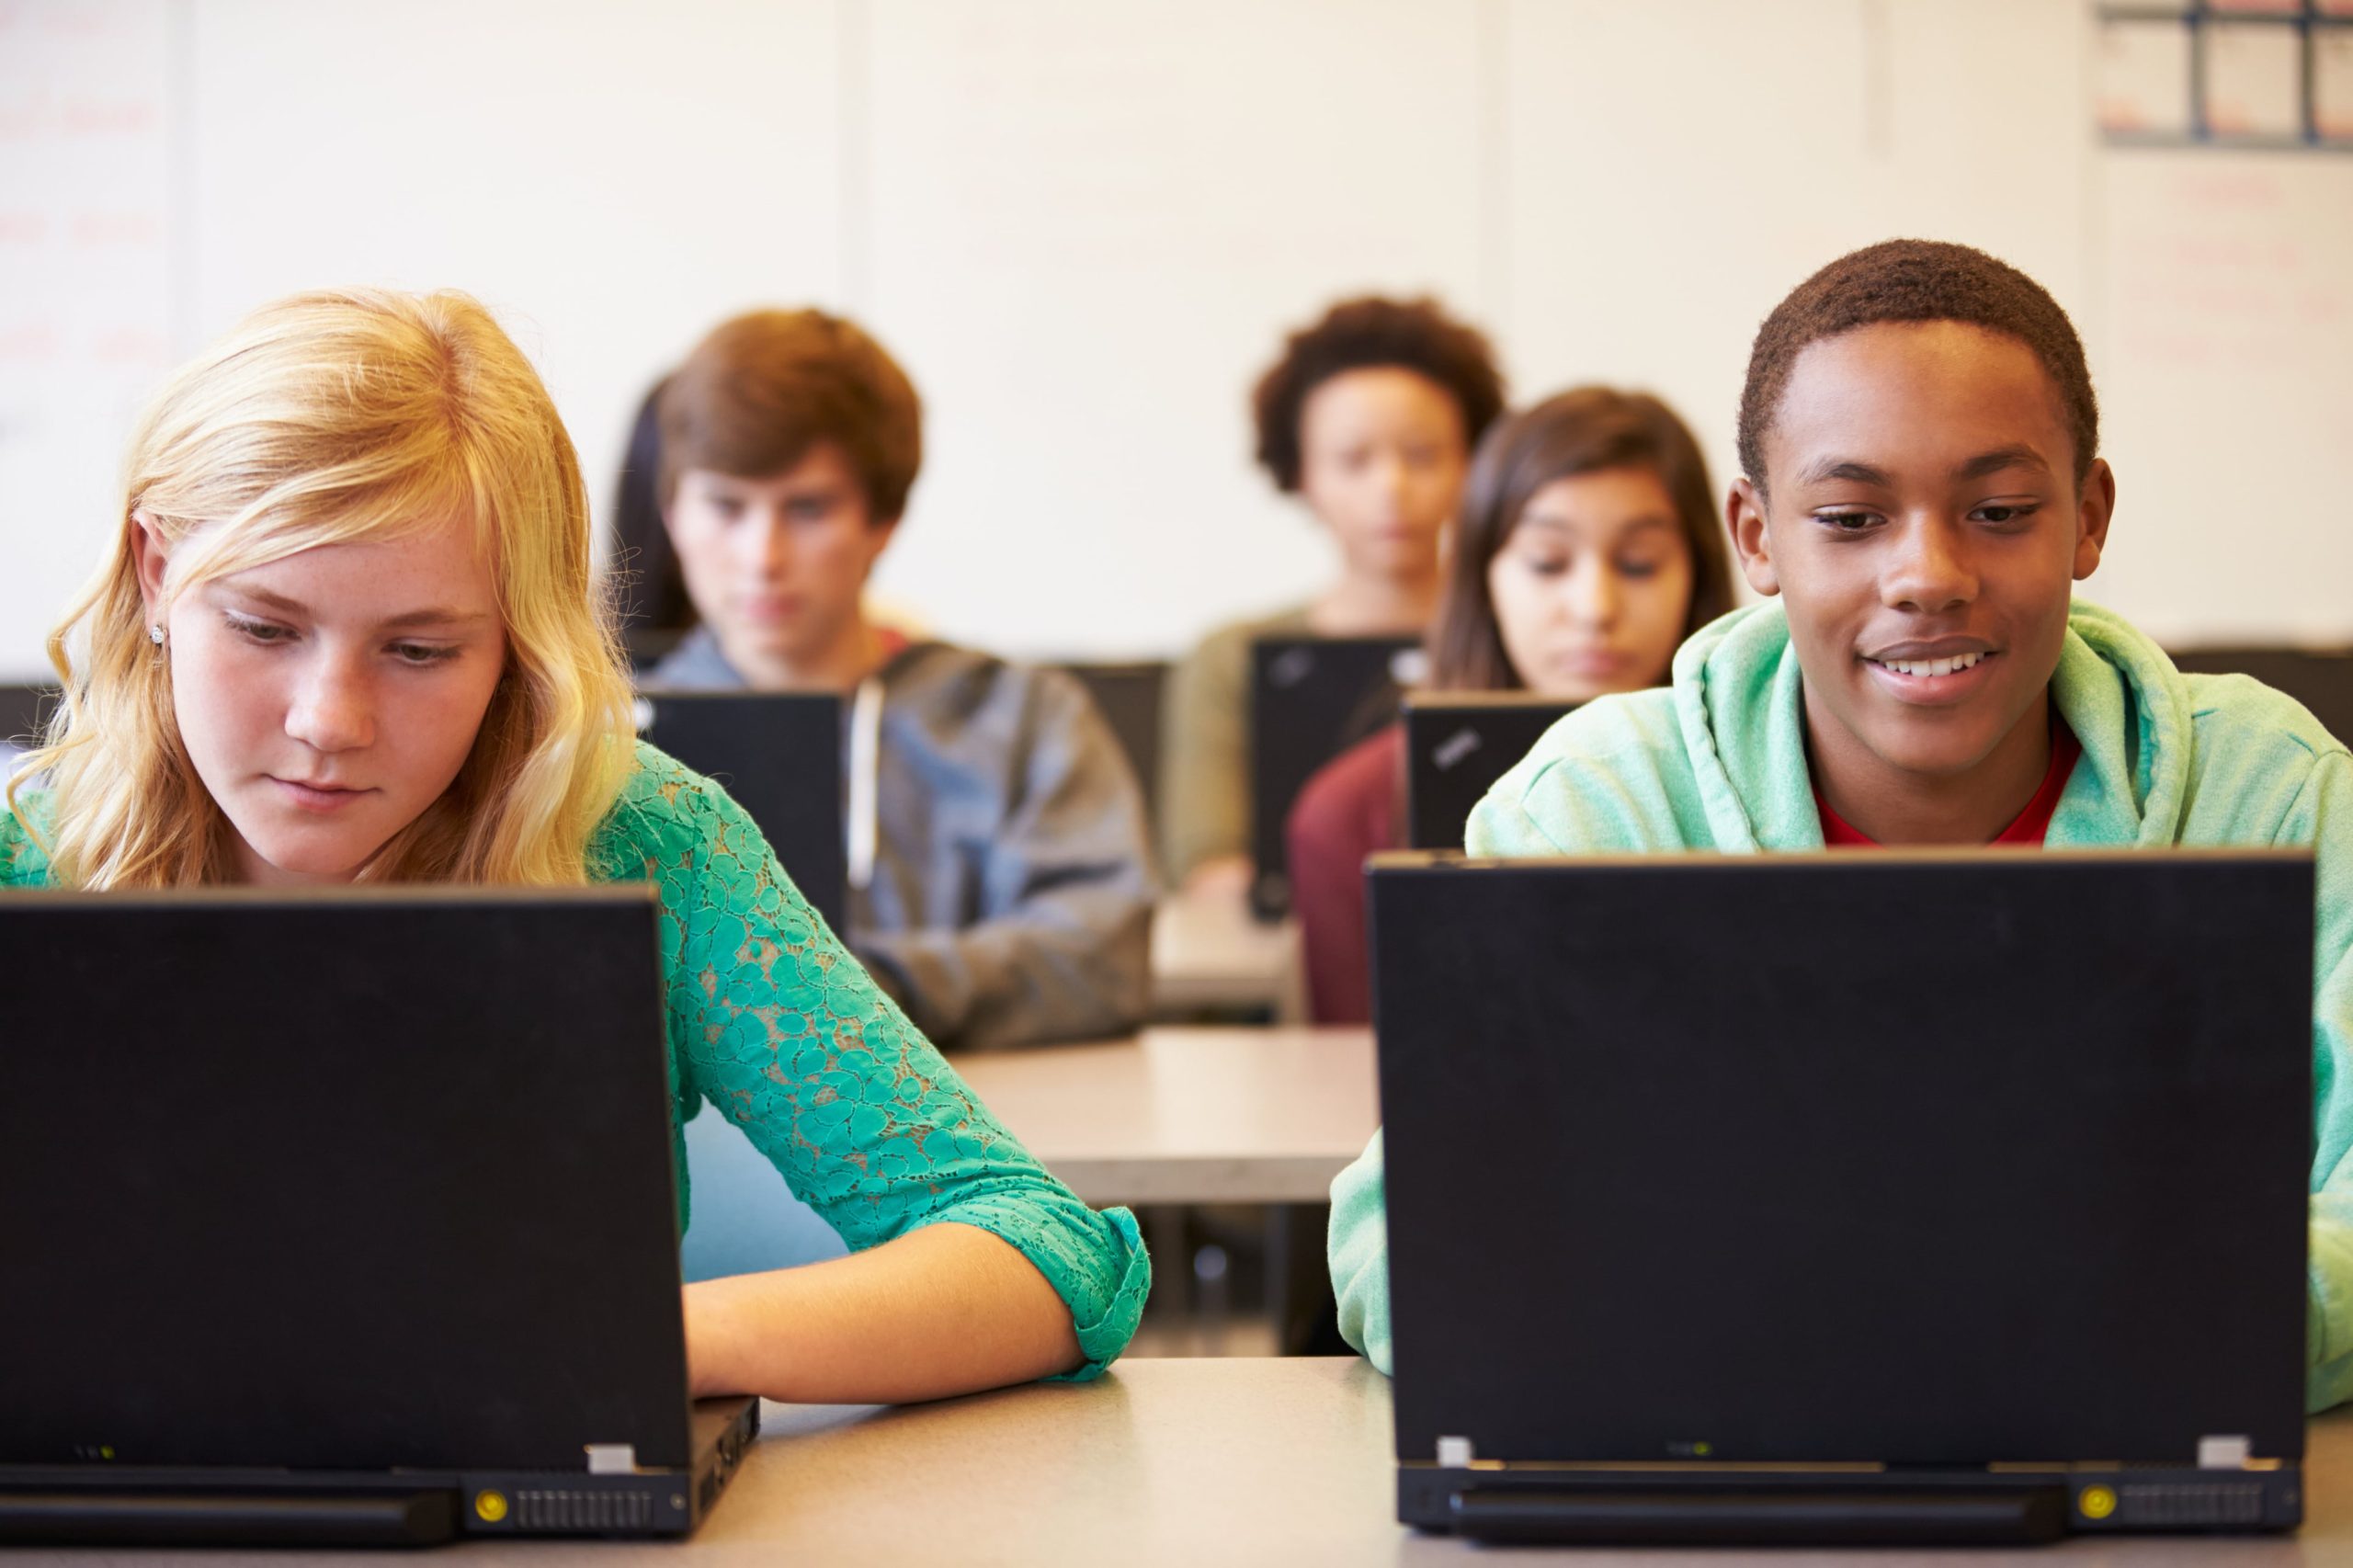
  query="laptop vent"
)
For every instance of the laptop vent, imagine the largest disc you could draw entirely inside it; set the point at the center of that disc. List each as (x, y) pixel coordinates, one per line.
(2161, 1504)
(584, 1512)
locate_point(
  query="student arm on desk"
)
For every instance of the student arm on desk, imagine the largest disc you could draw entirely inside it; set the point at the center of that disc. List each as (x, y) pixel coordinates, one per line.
(773, 1020)
(1063, 946)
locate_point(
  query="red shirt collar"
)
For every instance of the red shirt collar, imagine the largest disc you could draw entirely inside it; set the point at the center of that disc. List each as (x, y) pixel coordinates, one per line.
(2028, 829)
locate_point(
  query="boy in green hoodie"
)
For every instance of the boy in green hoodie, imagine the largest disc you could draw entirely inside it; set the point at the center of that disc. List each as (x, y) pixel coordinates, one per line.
(1921, 445)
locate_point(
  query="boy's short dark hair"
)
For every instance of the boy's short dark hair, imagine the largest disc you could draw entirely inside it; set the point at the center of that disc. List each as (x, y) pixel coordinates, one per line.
(1916, 280)
(1373, 334)
(763, 388)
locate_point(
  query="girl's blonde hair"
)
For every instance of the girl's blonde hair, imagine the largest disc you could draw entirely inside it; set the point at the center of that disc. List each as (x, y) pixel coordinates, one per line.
(330, 418)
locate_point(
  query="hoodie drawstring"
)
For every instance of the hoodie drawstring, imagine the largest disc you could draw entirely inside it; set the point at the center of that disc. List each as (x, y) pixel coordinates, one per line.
(865, 766)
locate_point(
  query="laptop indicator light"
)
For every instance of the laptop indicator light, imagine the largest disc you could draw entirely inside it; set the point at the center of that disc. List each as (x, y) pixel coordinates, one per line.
(490, 1507)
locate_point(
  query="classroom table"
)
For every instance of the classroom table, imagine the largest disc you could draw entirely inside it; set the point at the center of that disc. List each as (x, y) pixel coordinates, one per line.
(1183, 1462)
(1189, 1114)
(1211, 954)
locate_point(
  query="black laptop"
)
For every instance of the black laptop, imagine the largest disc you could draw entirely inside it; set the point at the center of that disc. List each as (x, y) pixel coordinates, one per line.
(1457, 744)
(304, 1250)
(780, 755)
(1856, 1198)
(1310, 699)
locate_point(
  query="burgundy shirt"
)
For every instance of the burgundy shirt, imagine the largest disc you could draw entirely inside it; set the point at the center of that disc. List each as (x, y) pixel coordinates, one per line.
(1354, 806)
(2027, 828)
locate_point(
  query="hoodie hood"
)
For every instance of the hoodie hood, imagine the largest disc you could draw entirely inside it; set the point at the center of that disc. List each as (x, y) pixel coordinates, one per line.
(1737, 691)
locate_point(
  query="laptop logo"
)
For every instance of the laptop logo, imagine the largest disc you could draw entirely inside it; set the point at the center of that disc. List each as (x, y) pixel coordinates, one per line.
(642, 711)
(1455, 747)
(1291, 666)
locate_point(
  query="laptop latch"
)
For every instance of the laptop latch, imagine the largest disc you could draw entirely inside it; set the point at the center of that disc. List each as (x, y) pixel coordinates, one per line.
(2223, 1453)
(611, 1459)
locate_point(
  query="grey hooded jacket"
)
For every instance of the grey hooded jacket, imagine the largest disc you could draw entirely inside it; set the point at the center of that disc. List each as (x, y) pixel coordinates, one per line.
(1007, 896)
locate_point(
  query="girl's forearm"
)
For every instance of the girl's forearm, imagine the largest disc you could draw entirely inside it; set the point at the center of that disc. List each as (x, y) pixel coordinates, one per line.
(946, 1310)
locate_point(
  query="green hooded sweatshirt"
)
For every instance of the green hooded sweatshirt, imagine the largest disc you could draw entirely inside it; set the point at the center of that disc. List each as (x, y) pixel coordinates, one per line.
(1716, 761)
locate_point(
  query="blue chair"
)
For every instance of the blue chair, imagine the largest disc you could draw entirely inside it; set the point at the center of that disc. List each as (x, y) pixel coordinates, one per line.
(745, 1220)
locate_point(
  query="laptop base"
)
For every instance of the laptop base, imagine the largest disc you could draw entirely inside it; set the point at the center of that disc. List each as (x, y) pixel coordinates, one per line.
(162, 1505)
(1599, 1505)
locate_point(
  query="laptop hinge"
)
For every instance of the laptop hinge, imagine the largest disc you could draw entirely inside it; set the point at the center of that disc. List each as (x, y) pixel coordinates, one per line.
(135, 1516)
(1826, 1515)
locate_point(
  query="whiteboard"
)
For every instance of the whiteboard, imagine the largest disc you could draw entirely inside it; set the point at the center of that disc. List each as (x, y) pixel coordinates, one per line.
(2226, 389)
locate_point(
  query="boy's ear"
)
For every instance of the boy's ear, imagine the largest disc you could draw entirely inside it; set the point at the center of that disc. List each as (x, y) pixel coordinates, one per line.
(2093, 507)
(1744, 516)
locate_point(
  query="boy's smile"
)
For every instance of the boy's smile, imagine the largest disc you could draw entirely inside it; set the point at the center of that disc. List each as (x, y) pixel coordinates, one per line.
(1922, 522)
(1935, 671)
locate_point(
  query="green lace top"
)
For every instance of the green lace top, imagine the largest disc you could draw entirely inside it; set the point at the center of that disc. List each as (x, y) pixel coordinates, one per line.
(774, 1022)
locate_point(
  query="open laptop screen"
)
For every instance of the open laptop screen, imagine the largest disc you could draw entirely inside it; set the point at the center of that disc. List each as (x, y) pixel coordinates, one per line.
(780, 755)
(1921, 1159)
(1310, 699)
(340, 1180)
(1457, 744)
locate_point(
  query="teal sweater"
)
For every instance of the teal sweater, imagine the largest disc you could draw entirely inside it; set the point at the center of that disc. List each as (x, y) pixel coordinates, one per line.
(779, 1027)
(1716, 761)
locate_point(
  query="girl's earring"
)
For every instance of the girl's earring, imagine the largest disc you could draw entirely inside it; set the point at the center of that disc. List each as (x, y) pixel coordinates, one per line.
(156, 634)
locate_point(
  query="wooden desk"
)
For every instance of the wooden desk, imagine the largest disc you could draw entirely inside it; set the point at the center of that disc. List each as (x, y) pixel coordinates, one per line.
(1180, 1463)
(1180, 1115)
(1209, 953)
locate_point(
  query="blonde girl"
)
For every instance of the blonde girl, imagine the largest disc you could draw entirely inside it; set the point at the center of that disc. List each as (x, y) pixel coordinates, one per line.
(346, 632)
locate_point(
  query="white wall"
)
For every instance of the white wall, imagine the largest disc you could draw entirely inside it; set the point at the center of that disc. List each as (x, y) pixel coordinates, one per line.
(88, 244)
(1676, 169)
(1090, 224)
(1084, 228)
